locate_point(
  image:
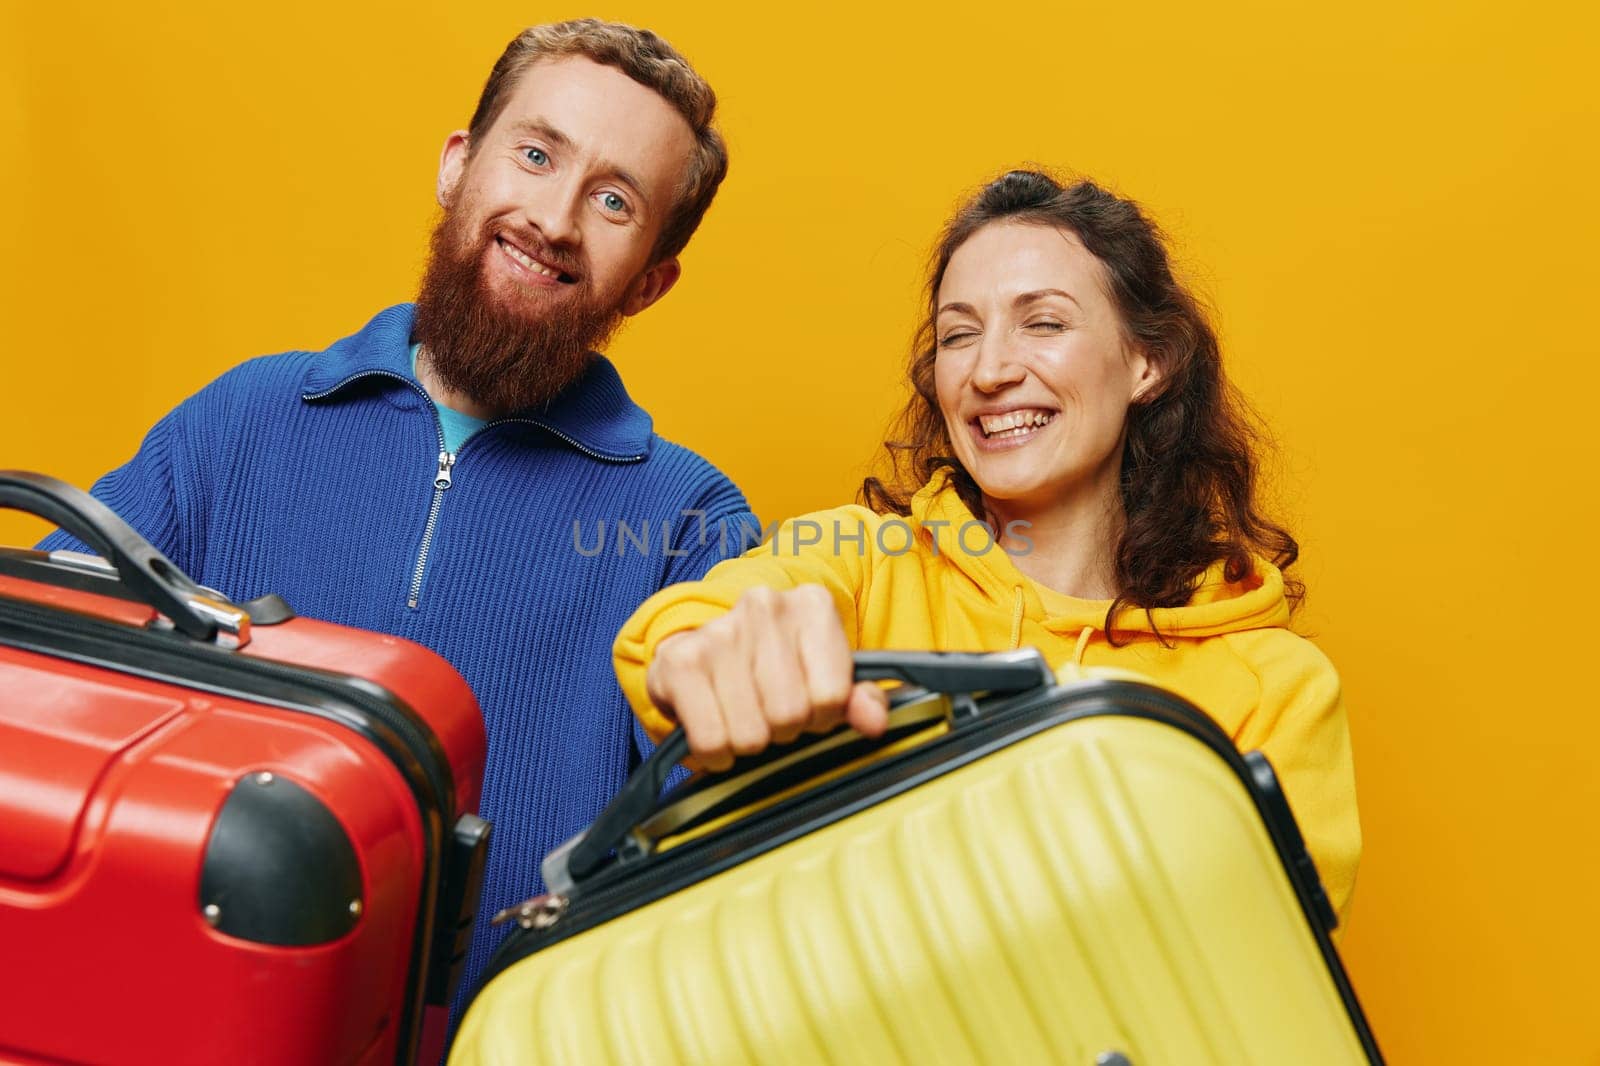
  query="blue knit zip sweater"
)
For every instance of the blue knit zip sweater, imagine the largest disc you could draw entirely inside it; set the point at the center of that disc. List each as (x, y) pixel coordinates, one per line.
(313, 475)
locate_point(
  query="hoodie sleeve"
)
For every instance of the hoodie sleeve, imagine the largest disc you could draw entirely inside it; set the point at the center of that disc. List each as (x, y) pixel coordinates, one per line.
(726, 528)
(801, 551)
(1300, 724)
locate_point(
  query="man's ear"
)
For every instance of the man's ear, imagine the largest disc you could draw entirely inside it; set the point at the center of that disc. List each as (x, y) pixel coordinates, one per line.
(651, 286)
(1149, 374)
(452, 163)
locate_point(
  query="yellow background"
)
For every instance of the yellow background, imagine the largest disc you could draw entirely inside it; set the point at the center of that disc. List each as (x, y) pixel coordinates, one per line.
(1393, 210)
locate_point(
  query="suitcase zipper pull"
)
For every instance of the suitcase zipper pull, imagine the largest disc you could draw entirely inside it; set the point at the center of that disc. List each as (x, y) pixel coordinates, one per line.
(540, 912)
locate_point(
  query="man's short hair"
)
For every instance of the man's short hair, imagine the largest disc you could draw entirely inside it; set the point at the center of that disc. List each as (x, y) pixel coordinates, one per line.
(651, 62)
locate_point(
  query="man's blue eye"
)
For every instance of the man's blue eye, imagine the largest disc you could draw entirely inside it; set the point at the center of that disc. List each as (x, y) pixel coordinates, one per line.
(613, 202)
(537, 157)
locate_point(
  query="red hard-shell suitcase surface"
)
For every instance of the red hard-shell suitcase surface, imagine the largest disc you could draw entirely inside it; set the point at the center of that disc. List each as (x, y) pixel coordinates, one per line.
(253, 844)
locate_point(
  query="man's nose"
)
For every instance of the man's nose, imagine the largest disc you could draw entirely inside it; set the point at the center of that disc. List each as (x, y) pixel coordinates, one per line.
(996, 368)
(555, 212)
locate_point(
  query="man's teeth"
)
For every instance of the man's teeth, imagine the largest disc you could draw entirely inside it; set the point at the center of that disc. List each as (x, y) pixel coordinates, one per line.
(529, 262)
(1013, 423)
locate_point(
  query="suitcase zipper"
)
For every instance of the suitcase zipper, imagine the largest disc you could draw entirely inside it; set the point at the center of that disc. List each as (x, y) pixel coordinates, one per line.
(540, 912)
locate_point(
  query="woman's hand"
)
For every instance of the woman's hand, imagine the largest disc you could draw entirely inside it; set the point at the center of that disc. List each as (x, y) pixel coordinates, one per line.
(775, 666)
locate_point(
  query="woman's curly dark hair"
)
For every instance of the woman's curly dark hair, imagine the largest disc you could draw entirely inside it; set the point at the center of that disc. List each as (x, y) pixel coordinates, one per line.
(1189, 459)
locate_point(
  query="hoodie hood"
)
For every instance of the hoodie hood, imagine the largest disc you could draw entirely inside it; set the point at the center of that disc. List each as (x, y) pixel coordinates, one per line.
(1217, 605)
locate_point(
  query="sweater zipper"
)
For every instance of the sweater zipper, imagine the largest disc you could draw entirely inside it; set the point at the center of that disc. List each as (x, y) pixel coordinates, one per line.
(441, 482)
(554, 432)
(441, 477)
(447, 460)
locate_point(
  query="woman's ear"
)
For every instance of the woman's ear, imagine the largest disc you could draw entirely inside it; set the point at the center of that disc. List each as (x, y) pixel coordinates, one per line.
(1149, 375)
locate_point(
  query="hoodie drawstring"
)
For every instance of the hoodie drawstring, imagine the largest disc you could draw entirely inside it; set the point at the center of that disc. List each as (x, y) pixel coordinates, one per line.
(1016, 629)
(1083, 642)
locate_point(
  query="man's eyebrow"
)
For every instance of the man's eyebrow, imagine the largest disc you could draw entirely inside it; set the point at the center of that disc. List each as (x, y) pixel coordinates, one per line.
(627, 178)
(1039, 294)
(543, 129)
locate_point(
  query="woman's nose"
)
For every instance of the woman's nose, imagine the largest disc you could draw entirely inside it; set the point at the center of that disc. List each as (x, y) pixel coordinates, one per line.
(995, 368)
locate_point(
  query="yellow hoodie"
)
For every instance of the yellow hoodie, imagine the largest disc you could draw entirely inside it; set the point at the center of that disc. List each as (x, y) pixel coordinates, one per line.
(913, 584)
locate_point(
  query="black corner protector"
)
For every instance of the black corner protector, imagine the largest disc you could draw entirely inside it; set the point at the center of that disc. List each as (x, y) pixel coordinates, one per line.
(279, 868)
(268, 610)
(459, 890)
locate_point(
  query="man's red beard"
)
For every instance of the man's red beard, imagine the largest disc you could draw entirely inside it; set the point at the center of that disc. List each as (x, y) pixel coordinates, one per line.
(504, 351)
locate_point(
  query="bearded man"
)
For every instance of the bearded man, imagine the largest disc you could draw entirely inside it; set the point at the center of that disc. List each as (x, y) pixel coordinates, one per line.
(426, 477)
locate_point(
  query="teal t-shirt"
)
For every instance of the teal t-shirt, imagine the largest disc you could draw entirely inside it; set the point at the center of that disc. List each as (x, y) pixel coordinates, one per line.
(457, 427)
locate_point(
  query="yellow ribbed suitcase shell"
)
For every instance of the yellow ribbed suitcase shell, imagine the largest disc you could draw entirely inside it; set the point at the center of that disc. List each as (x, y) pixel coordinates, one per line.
(1103, 890)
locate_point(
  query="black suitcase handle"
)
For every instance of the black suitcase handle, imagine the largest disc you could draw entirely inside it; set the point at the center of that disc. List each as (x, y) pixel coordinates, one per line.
(150, 576)
(936, 672)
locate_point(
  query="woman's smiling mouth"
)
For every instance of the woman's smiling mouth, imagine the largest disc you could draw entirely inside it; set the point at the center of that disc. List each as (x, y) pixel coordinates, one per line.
(1014, 426)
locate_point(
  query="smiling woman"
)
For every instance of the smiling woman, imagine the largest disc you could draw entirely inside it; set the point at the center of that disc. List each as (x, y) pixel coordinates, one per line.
(1068, 392)
(1034, 384)
(1063, 377)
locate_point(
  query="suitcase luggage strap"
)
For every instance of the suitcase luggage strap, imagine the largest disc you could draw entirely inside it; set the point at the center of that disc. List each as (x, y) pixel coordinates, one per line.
(959, 675)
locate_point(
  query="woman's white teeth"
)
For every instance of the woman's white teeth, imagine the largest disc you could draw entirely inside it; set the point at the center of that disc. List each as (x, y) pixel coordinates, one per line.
(1013, 423)
(529, 262)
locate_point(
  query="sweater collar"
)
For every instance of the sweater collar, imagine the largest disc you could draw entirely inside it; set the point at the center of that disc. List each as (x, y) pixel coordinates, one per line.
(594, 414)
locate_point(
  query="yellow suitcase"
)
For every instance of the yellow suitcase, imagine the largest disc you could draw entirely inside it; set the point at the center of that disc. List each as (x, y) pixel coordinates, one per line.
(1020, 871)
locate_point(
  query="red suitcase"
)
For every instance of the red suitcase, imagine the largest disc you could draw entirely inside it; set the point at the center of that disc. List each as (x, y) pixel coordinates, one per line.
(226, 834)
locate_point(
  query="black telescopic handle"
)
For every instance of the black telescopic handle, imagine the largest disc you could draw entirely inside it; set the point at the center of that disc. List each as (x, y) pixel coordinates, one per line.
(953, 672)
(958, 671)
(143, 570)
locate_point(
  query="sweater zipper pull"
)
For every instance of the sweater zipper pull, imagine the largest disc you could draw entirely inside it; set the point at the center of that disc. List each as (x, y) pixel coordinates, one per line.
(441, 482)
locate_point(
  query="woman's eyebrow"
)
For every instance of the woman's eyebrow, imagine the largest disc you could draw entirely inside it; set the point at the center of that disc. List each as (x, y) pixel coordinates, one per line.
(1039, 294)
(958, 308)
